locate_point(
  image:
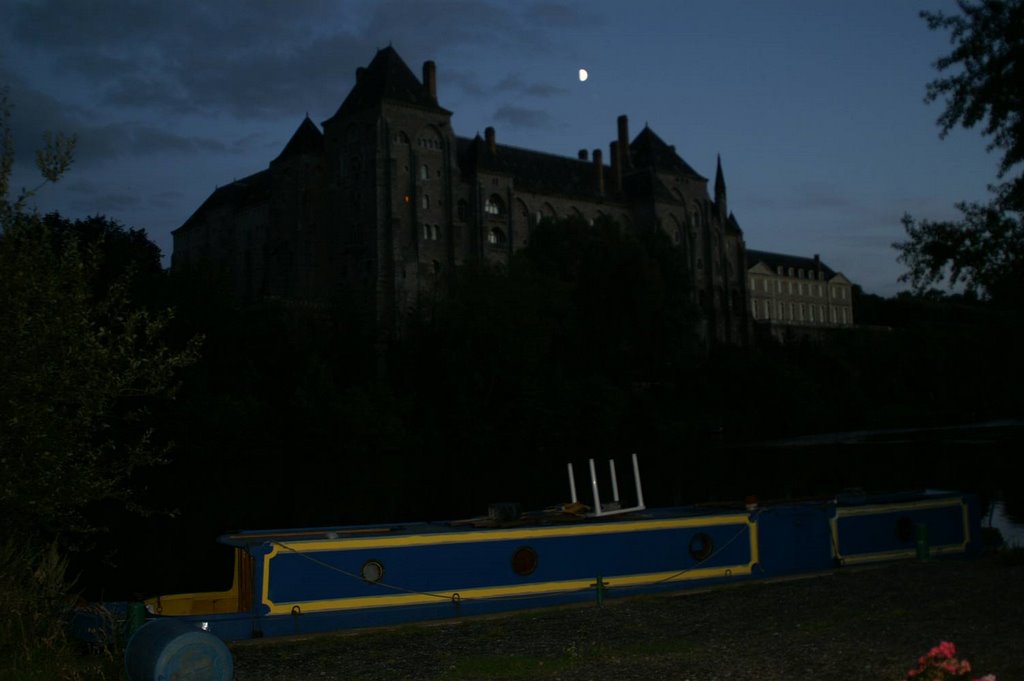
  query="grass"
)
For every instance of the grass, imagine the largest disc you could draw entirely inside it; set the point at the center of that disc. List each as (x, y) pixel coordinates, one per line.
(507, 667)
(34, 601)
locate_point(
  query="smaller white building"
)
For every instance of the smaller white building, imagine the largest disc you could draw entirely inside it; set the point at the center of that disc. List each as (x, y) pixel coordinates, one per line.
(788, 291)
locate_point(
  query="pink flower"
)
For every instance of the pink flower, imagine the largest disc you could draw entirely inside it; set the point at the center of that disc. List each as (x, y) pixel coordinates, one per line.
(941, 664)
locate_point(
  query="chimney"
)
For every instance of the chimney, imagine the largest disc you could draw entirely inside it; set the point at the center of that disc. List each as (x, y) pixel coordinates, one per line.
(624, 159)
(599, 171)
(489, 136)
(582, 155)
(616, 167)
(430, 78)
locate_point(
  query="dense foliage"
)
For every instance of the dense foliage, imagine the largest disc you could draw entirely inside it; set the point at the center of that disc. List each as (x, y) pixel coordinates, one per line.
(82, 362)
(983, 85)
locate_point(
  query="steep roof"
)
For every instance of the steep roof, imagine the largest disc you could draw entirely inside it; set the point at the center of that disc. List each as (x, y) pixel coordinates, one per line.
(387, 77)
(775, 260)
(647, 149)
(307, 140)
(534, 171)
(245, 192)
(732, 225)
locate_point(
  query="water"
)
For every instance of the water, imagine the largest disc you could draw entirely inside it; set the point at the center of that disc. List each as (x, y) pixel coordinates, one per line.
(1013, 533)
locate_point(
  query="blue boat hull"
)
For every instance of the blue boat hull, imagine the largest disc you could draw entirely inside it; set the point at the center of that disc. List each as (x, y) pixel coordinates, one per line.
(309, 580)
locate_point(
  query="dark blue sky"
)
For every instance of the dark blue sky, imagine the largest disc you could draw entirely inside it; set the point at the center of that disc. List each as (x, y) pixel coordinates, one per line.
(816, 107)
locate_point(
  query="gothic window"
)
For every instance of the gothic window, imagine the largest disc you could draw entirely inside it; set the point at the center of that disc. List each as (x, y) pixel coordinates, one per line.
(424, 172)
(496, 237)
(494, 205)
(426, 232)
(426, 201)
(523, 220)
(436, 232)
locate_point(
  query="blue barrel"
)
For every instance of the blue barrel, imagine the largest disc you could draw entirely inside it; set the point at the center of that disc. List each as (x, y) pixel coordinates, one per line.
(167, 648)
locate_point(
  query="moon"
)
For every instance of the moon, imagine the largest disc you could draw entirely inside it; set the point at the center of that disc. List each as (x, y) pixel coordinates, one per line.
(583, 75)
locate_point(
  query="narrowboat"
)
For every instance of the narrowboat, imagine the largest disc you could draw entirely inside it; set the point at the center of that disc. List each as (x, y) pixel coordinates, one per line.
(299, 581)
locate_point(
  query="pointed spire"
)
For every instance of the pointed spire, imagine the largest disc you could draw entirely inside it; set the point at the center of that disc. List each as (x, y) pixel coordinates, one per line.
(720, 200)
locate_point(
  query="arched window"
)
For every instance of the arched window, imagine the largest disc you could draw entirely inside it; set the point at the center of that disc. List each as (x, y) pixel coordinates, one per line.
(424, 172)
(426, 201)
(428, 138)
(496, 237)
(494, 205)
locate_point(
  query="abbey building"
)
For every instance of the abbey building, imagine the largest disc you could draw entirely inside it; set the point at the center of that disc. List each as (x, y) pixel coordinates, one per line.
(385, 199)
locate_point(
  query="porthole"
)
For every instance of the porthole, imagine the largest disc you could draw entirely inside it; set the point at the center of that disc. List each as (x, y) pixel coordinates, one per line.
(905, 530)
(373, 571)
(701, 546)
(524, 561)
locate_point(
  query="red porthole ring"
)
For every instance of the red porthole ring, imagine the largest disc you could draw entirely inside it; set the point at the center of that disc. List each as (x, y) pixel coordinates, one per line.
(524, 561)
(373, 571)
(701, 546)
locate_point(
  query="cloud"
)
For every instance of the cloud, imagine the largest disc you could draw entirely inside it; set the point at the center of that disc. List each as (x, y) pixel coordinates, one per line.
(561, 15)
(522, 117)
(259, 60)
(514, 84)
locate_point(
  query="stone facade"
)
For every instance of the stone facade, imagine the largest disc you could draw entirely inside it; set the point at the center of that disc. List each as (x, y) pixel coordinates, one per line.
(788, 292)
(387, 199)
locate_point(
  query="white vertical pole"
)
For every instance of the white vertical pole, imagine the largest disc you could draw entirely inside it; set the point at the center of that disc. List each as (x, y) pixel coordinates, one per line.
(572, 484)
(593, 484)
(615, 481)
(639, 487)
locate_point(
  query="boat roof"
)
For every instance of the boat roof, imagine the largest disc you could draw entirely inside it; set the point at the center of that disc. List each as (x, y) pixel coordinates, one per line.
(559, 515)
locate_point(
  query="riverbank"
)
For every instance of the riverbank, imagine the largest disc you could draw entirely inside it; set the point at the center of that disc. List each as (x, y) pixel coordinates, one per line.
(863, 623)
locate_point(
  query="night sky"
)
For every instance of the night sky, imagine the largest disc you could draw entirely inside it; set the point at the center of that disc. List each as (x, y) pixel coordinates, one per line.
(817, 108)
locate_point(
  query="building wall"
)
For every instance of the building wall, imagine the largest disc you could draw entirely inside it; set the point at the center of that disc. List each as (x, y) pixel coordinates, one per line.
(386, 208)
(798, 296)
